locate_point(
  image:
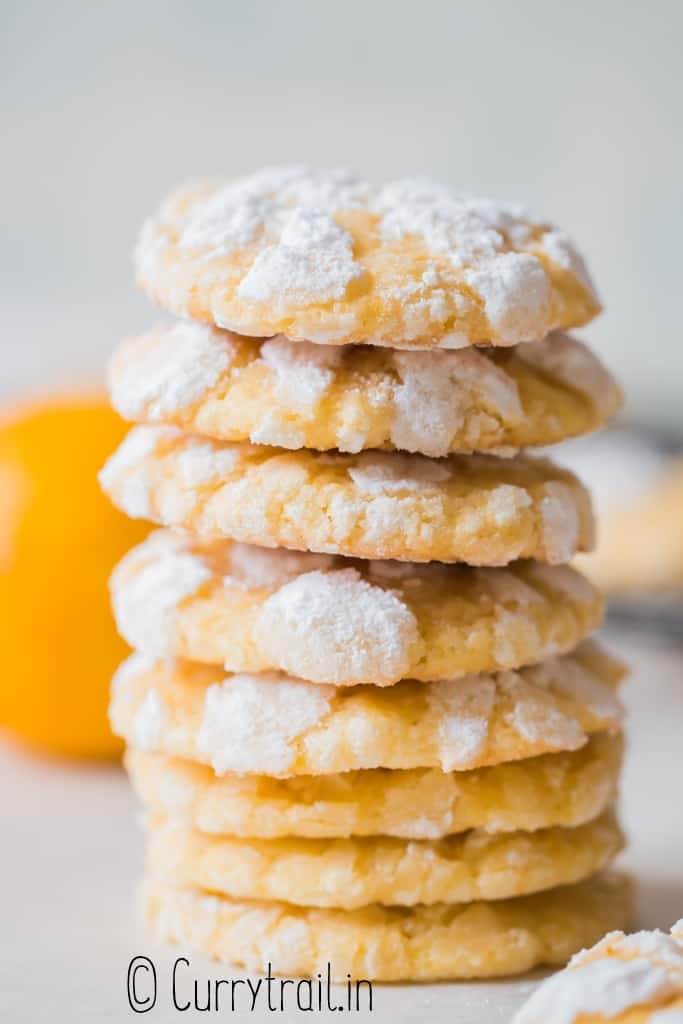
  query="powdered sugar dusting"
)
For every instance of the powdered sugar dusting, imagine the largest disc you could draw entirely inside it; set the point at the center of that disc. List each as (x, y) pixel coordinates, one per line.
(144, 601)
(149, 721)
(535, 717)
(124, 473)
(389, 473)
(312, 262)
(354, 630)
(250, 722)
(271, 567)
(304, 371)
(171, 371)
(619, 973)
(464, 707)
(516, 295)
(560, 522)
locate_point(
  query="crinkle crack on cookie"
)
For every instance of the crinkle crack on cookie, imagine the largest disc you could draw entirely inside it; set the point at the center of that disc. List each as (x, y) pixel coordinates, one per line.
(477, 509)
(568, 789)
(350, 873)
(475, 940)
(329, 619)
(301, 395)
(626, 979)
(279, 726)
(325, 257)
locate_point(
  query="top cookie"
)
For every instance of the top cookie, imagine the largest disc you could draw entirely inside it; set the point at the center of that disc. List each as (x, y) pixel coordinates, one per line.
(325, 257)
(626, 979)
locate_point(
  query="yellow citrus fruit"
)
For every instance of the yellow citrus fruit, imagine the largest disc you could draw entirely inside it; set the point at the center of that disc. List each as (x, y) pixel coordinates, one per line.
(59, 540)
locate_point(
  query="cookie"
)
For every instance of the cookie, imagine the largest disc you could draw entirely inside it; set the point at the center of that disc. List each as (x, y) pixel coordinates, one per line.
(301, 395)
(350, 873)
(325, 257)
(477, 509)
(329, 619)
(472, 940)
(276, 725)
(626, 979)
(566, 789)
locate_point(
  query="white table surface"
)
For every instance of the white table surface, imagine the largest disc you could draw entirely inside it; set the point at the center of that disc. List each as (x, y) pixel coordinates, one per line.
(71, 851)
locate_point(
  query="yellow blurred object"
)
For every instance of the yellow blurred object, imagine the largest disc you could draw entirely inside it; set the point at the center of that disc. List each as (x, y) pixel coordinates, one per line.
(59, 540)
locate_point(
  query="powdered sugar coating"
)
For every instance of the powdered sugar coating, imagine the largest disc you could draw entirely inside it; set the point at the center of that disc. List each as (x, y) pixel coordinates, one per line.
(250, 721)
(174, 369)
(389, 474)
(326, 257)
(144, 604)
(149, 719)
(351, 626)
(464, 708)
(616, 975)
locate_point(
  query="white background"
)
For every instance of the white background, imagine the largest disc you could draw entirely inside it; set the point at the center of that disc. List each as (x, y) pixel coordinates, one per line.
(573, 108)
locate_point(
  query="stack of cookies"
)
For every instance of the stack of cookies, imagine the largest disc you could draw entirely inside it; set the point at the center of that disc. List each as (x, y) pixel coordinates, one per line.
(363, 713)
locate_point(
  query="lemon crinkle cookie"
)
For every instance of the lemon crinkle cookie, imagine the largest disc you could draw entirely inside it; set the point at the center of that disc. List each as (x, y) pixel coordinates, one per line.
(624, 979)
(567, 788)
(350, 873)
(330, 619)
(279, 726)
(325, 257)
(302, 395)
(477, 509)
(472, 940)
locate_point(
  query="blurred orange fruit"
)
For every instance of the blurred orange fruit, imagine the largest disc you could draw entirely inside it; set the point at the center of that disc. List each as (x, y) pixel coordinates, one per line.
(59, 540)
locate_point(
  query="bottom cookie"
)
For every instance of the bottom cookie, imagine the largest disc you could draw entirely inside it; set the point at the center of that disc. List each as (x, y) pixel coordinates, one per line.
(476, 940)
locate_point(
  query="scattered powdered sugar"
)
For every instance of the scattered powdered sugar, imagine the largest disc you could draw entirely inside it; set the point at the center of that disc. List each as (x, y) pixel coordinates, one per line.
(304, 371)
(570, 362)
(312, 262)
(125, 478)
(466, 230)
(464, 708)
(135, 665)
(559, 247)
(171, 369)
(505, 502)
(148, 722)
(389, 472)
(535, 716)
(203, 462)
(144, 601)
(271, 567)
(560, 519)
(603, 987)
(336, 626)
(250, 721)
(516, 294)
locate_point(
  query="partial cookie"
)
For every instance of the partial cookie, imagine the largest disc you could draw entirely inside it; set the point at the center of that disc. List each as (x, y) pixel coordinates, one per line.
(624, 979)
(350, 873)
(475, 940)
(276, 725)
(566, 789)
(335, 620)
(477, 509)
(326, 257)
(301, 395)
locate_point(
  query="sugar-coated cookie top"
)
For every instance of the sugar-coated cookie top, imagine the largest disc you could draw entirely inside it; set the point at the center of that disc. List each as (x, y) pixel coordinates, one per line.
(324, 256)
(620, 973)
